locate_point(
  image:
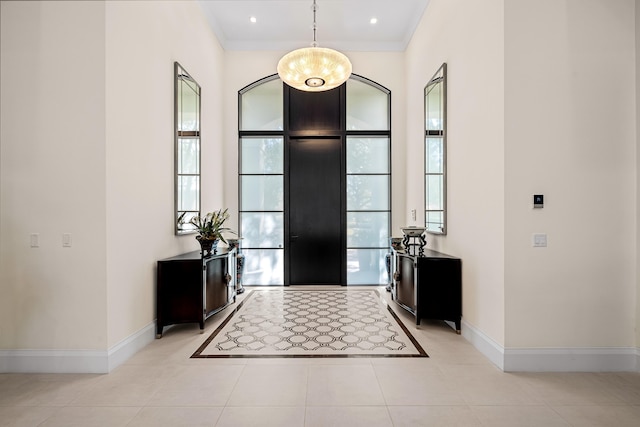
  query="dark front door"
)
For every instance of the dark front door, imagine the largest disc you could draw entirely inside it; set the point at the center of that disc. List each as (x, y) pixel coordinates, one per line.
(315, 211)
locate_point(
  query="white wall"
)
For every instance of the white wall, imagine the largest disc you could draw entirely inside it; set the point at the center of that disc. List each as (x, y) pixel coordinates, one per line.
(143, 41)
(468, 36)
(245, 67)
(87, 149)
(570, 134)
(541, 101)
(52, 175)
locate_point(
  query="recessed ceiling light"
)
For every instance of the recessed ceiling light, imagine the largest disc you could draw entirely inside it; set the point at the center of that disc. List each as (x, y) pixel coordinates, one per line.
(374, 20)
(253, 19)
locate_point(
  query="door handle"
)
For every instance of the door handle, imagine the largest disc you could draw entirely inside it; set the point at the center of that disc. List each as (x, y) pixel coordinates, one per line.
(293, 238)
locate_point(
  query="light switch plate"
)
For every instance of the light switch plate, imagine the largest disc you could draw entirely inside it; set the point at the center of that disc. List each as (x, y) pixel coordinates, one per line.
(539, 240)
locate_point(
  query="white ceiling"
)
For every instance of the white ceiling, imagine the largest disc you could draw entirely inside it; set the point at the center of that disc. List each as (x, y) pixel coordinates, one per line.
(287, 24)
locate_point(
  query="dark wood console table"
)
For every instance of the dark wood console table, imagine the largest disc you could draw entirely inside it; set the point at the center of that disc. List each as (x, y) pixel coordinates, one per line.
(428, 286)
(191, 288)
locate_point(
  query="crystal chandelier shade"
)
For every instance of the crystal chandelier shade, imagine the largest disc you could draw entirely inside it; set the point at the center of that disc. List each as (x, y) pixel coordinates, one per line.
(314, 69)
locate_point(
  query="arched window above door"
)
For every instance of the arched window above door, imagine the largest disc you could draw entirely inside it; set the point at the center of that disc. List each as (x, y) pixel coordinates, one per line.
(261, 106)
(367, 106)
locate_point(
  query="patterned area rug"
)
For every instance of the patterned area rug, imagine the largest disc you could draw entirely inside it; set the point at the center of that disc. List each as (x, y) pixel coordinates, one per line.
(311, 323)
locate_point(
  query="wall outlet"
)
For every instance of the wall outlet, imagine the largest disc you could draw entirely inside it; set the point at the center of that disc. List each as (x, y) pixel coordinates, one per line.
(539, 240)
(413, 214)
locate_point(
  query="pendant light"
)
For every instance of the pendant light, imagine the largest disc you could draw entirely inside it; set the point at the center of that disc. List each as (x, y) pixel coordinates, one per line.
(314, 69)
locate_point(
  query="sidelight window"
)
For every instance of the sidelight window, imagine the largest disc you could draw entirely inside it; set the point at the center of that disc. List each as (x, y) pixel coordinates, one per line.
(368, 180)
(262, 182)
(368, 209)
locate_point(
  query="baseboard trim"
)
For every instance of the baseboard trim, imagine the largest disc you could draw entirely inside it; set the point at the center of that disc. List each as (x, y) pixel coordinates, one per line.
(75, 361)
(585, 359)
(129, 346)
(485, 345)
(53, 361)
(589, 359)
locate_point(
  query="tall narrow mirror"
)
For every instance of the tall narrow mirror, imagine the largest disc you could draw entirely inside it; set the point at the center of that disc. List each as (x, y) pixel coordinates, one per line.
(435, 151)
(187, 149)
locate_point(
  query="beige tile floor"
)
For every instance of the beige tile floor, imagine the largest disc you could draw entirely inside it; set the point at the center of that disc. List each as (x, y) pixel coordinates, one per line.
(456, 386)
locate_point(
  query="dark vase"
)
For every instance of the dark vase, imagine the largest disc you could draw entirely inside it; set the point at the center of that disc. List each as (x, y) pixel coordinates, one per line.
(207, 245)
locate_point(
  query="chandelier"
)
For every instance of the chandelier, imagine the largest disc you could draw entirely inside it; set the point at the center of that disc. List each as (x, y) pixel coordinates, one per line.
(314, 69)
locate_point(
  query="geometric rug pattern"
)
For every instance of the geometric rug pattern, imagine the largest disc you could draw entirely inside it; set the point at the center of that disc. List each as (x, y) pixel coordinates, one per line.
(311, 323)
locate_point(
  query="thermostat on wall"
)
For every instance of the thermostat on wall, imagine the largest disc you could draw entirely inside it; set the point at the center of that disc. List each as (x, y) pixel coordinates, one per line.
(538, 201)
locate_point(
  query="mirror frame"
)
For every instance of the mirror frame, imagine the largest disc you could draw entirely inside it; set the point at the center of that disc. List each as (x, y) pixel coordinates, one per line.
(439, 78)
(180, 75)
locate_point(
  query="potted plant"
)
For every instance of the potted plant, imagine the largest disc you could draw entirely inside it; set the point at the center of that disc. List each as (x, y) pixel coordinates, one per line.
(210, 229)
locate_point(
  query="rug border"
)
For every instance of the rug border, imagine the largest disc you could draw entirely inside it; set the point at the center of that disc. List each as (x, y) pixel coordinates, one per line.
(198, 353)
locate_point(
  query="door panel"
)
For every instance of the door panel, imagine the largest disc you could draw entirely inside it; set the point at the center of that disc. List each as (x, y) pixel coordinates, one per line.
(314, 111)
(315, 211)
